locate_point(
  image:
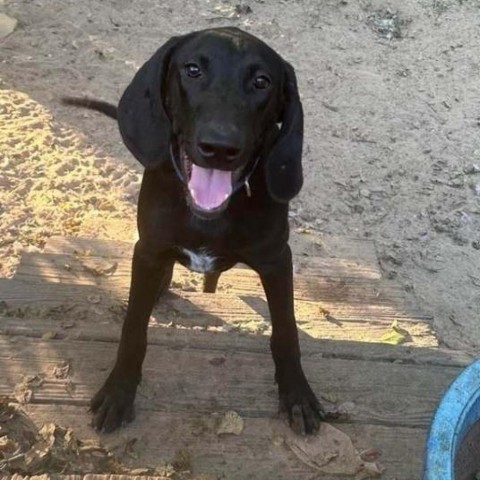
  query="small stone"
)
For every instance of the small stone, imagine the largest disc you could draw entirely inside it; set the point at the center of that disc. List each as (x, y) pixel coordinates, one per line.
(357, 208)
(472, 169)
(94, 299)
(243, 9)
(476, 188)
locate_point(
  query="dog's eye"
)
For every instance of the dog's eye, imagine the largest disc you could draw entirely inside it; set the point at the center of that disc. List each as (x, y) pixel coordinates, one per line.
(192, 70)
(261, 82)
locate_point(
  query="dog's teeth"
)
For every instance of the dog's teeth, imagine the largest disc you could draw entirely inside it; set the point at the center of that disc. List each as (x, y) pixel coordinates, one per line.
(225, 197)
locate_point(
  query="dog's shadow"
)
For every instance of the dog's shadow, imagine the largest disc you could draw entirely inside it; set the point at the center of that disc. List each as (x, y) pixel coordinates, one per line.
(197, 311)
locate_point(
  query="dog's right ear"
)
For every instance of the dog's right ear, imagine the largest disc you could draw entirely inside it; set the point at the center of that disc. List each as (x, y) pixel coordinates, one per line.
(143, 122)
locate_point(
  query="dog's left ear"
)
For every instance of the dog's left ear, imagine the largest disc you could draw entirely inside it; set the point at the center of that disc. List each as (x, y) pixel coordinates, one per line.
(283, 165)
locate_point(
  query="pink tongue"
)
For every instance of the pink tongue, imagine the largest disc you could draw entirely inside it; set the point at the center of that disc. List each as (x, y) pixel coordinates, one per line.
(209, 187)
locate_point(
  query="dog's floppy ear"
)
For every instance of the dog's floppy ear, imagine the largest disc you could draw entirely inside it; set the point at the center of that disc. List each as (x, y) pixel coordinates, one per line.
(283, 164)
(143, 122)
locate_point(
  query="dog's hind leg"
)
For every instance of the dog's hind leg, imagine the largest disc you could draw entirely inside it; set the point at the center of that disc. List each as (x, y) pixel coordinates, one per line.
(210, 282)
(165, 281)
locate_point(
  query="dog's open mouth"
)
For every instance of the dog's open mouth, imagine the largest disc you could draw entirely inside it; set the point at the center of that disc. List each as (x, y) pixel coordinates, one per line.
(209, 189)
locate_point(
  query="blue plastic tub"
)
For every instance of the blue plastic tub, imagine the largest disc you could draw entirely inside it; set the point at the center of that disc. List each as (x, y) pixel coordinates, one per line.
(458, 410)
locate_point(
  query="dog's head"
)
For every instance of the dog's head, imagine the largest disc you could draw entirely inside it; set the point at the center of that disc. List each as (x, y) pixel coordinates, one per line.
(207, 100)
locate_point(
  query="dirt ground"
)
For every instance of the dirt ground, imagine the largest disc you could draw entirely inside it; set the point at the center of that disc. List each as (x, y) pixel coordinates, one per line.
(392, 142)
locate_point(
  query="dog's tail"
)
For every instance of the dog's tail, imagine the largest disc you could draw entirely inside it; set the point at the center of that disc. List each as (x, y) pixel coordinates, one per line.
(103, 107)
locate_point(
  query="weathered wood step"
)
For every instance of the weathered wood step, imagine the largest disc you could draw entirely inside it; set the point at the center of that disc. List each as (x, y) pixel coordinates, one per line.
(235, 341)
(181, 379)
(90, 476)
(115, 274)
(259, 453)
(361, 322)
(325, 246)
(328, 256)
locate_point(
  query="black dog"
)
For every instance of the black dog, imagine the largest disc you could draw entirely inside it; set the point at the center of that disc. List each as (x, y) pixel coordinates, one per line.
(215, 118)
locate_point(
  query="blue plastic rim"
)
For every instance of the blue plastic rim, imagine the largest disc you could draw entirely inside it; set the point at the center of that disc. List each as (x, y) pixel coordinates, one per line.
(458, 410)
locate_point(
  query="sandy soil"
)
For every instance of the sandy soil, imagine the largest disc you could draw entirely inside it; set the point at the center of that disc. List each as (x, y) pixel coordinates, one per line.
(392, 150)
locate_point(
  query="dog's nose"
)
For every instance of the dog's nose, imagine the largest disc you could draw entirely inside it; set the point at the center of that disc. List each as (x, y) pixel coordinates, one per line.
(213, 146)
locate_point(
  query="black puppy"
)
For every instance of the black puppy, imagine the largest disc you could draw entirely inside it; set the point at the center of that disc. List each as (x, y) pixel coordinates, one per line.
(215, 118)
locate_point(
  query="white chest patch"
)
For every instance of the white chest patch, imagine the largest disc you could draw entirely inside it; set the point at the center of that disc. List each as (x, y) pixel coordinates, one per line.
(200, 261)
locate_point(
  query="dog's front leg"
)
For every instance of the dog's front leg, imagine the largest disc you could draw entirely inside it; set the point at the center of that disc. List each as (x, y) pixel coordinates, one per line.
(296, 396)
(113, 403)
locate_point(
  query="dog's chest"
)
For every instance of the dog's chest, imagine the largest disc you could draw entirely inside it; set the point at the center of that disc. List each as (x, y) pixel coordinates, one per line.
(200, 260)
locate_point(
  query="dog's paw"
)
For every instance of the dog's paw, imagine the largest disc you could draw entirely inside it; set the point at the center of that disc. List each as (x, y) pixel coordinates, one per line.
(112, 405)
(302, 407)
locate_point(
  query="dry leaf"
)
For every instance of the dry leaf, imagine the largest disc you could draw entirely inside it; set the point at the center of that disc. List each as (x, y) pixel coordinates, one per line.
(396, 335)
(329, 397)
(22, 393)
(51, 449)
(129, 447)
(370, 454)
(371, 470)
(347, 408)
(68, 324)
(182, 461)
(217, 361)
(49, 335)
(278, 440)
(140, 471)
(330, 451)
(34, 381)
(61, 371)
(7, 447)
(98, 267)
(231, 423)
(70, 387)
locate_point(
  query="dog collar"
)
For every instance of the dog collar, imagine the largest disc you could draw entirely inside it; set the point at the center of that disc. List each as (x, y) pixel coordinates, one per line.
(244, 182)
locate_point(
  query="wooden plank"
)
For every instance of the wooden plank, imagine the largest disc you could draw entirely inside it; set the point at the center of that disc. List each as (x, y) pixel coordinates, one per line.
(177, 337)
(189, 309)
(334, 268)
(258, 453)
(181, 379)
(90, 476)
(326, 246)
(220, 304)
(115, 274)
(350, 265)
